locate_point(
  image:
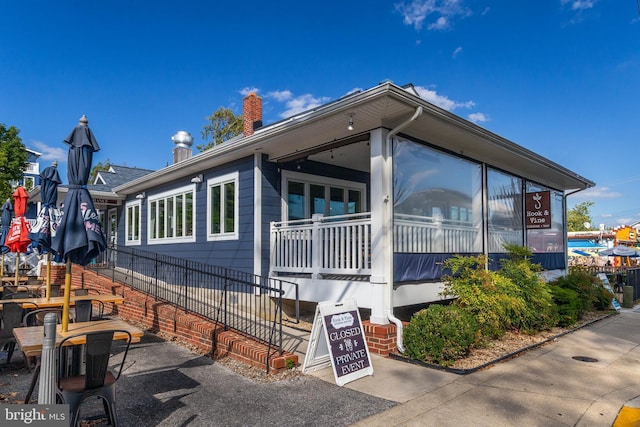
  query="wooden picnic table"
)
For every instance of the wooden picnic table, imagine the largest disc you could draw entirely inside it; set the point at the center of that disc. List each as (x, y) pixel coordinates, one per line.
(59, 301)
(30, 338)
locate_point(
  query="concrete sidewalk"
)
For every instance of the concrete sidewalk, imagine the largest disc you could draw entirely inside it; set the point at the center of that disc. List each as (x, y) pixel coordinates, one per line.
(543, 387)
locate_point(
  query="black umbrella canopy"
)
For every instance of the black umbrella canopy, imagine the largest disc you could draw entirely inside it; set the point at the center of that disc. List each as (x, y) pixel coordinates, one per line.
(49, 215)
(5, 218)
(79, 237)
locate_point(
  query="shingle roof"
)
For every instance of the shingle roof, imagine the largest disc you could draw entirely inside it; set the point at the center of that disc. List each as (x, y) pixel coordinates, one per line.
(118, 175)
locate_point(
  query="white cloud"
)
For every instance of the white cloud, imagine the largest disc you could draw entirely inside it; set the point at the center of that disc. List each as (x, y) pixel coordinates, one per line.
(247, 90)
(625, 221)
(296, 104)
(280, 95)
(440, 100)
(441, 23)
(456, 52)
(49, 153)
(579, 4)
(478, 117)
(598, 193)
(416, 12)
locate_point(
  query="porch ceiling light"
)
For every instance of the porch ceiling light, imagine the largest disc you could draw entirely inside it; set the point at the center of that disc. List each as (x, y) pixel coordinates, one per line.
(350, 127)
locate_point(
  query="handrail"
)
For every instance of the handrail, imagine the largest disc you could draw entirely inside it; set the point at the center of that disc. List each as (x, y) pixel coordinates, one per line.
(244, 302)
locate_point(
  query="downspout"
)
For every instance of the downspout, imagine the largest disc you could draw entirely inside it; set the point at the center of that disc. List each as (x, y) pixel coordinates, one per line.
(388, 161)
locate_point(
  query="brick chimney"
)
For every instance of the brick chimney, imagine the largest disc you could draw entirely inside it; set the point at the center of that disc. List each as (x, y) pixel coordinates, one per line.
(252, 113)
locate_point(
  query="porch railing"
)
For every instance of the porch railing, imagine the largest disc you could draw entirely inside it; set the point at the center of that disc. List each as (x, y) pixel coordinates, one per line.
(341, 245)
(244, 302)
(322, 245)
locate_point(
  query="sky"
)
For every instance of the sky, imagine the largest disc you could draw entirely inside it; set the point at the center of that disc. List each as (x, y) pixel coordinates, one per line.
(559, 77)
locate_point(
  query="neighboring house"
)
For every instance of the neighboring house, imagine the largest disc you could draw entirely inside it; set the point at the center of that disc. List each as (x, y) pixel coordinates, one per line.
(31, 178)
(363, 198)
(105, 200)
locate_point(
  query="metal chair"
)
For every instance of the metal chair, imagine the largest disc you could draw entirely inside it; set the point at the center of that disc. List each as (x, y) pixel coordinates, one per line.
(8, 290)
(87, 310)
(19, 295)
(97, 380)
(36, 317)
(54, 289)
(11, 318)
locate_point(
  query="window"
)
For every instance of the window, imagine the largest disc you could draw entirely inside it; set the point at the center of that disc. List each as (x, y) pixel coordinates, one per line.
(172, 216)
(310, 194)
(437, 201)
(132, 223)
(222, 207)
(504, 193)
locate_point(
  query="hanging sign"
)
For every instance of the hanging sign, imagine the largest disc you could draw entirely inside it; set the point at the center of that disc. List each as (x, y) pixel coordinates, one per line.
(344, 346)
(538, 210)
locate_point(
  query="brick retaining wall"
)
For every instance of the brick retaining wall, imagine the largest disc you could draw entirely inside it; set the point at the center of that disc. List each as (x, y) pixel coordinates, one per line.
(190, 329)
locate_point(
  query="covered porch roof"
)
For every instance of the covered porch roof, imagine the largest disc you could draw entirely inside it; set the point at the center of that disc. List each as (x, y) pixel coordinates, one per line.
(386, 105)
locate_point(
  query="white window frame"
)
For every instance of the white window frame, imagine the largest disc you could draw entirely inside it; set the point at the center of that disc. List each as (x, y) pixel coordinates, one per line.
(308, 179)
(175, 192)
(221, 181)
(134, 204)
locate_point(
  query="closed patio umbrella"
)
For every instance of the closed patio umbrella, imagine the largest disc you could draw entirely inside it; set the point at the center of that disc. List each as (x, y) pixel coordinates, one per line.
(48, 215)
(18, 238)
(5, 220)
(79, 237)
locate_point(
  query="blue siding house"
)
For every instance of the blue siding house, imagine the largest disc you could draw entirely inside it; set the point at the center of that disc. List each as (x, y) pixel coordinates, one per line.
(362, 198)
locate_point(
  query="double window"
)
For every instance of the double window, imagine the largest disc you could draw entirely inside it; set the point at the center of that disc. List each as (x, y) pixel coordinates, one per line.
(222, 209)
(171, 216)
(310, 194)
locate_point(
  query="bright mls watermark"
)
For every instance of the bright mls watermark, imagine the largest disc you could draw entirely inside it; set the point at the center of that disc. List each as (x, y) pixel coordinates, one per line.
(35, 415)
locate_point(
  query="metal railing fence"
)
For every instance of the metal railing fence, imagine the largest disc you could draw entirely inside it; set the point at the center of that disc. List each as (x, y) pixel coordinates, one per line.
(244, 302)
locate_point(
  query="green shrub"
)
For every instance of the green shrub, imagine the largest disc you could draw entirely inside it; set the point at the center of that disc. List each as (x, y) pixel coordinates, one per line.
(492, 299)
(591, 294)
(440, 334)
(538, 309)
(568, 305)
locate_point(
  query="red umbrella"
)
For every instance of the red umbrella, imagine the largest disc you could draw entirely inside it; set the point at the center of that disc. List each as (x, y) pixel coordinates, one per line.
(18, 238)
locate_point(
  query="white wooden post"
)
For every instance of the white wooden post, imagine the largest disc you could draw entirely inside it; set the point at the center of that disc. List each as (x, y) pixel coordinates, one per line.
(317, 244)
(380, 226)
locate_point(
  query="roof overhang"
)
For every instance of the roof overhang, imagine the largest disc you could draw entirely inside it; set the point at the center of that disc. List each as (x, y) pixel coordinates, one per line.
(386, 106)
(98, 197)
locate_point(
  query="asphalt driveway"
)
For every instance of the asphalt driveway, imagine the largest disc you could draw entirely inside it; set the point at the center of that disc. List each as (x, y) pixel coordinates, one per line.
(165, 384)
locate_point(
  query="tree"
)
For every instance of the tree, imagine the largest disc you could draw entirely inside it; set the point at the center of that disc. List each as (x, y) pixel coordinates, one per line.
(13, 159)
(100, 166)
(223, 125)
(578, 216)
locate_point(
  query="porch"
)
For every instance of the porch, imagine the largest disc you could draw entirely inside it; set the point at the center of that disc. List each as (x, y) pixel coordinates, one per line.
(340, 246)
(330, 257)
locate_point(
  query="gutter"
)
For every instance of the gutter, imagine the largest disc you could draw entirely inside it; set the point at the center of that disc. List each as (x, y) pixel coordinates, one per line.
(388, 162)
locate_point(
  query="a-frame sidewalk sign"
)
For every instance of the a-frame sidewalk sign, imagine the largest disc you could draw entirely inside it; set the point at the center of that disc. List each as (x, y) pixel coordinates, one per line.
(337, 339)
